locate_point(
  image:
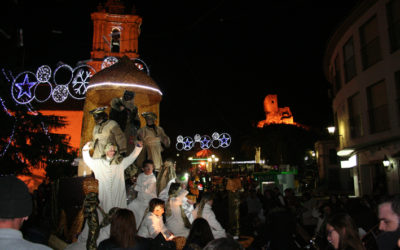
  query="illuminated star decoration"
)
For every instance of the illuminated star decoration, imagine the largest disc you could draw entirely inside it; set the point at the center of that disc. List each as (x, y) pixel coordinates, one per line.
(25, 87)
(225, 140)
(205, 142)
(188, 143)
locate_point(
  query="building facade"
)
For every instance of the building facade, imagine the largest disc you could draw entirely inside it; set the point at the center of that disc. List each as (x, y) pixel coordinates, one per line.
(362, 62)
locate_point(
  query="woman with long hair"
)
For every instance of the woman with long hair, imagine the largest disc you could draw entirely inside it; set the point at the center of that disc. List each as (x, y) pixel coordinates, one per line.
(122, 231)
(199, 236)
(204, 210)
(342, 233)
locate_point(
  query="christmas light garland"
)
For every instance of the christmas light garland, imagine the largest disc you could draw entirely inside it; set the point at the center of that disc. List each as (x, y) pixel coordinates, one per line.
(216, 141)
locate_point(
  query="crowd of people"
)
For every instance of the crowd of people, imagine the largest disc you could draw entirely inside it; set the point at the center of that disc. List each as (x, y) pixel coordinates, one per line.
(162, 209)
(273, 219)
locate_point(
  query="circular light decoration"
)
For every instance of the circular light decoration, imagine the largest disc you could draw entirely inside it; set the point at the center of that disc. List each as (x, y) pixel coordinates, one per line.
(215, 143)
(49, 95)
(215, 136)
(188, 143)
(21, 88)
(205, 142)
(179, 139)
(225, 140)
(43, 74)
(216, 140)
(60, 93)
(108, 61)
(141, 65)
(59, 72)
(81, 76)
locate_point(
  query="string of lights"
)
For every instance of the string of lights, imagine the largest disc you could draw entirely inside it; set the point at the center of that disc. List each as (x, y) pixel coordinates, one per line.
(216, 140)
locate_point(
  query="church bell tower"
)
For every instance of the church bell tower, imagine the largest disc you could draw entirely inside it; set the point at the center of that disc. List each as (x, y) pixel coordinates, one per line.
(115, 34)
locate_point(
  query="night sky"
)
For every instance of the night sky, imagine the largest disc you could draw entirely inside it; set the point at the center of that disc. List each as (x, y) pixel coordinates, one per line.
(214, 61)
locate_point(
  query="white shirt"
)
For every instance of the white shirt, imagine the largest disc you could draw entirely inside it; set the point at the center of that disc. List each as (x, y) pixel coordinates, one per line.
(175, 222)
(217, 230)
(151, 226)
(111, 179)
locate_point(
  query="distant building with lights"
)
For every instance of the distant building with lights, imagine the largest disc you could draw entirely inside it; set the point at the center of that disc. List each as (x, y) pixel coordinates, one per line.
(274, 114)
(362, 62)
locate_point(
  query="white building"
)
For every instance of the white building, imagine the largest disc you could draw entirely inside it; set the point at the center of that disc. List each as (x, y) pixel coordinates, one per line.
(362, 62)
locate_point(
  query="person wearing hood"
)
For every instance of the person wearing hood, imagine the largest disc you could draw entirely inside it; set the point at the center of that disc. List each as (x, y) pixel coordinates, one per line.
(109, 171)
(106, 131)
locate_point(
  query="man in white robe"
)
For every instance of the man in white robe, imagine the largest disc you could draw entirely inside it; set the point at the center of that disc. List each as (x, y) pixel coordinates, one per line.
(109, 171)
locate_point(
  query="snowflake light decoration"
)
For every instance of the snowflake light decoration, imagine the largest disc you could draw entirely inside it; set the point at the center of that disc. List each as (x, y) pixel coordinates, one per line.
(81, 77)
(74, 83)
(60, 93)
(43, 74)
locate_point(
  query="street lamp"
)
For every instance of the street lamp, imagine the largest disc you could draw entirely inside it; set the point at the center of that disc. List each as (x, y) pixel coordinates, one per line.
(212, 160)
(331, 130)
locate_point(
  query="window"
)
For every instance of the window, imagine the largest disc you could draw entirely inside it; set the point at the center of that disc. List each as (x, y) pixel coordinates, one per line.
(349, 60)
(377, 107)
(393, 15)
(355, 124)
(115, 36)
(370, 46)
(337, 78)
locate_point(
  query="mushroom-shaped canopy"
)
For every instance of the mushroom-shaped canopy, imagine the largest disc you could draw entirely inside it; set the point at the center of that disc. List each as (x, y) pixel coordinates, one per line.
(121, 76)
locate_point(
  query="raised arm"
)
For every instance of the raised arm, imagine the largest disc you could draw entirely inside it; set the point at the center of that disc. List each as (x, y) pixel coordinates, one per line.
(86, 156)
(132, 157)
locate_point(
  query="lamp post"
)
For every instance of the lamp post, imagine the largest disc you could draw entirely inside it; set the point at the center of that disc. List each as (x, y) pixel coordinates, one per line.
(212, 160)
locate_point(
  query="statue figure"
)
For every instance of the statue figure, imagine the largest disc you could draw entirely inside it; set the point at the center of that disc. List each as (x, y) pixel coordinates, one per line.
(106, 131)
(154, 138)
(125, 113)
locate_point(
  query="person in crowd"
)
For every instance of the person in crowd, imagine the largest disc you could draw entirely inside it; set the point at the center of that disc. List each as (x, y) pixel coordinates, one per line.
(342, 233)
(223, 244)
(166, 175)
(106, 131)
(122, 232)
(278, 195)
(282, 225)
(307, 220)
(154, 138)
(176, 220)
(199, 236)
(153, 224)
(109, 171)
(15, 208)
(204, 210)
(389, 219)
(146, 190)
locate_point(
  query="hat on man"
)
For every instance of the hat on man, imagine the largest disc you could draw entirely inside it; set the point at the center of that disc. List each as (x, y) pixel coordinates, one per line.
(15, 199)
(149, 115)
(98, 110)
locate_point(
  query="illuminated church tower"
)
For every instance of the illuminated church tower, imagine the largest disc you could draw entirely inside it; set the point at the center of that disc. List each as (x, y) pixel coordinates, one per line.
(115, 34)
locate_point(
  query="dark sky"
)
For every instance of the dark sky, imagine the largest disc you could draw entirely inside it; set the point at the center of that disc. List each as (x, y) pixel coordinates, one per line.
(215, 61)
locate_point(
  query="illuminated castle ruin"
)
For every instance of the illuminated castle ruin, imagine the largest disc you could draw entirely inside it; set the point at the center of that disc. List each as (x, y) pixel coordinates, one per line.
(274, 114)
